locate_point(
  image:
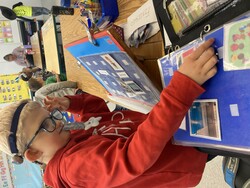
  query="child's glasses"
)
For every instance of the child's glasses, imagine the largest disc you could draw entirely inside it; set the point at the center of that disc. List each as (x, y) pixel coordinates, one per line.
(48, 125)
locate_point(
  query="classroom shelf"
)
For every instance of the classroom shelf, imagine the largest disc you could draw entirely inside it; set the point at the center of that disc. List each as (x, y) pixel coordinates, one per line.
(28, 28)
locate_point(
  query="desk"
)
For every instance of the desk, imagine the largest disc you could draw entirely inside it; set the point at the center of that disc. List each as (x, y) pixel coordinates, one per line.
(53, 58)
(72, 31)
(38, 57)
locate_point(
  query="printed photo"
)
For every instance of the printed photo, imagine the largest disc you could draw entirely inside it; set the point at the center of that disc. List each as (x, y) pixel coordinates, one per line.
(122, 74)
(112, 62)
(204, 119)
(134, 87)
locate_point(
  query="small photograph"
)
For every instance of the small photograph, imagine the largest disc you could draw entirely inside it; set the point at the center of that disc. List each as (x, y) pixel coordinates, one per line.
(204, 119)
(104, 72)
(179, 60)
(122, 74)
(135, 88)
(112, 62)
(183, 55)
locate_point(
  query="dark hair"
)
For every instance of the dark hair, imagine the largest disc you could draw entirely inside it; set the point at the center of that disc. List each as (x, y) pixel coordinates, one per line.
(25, 77)
(17, 5)
(8, 13)
(6, 57)
(34, 84)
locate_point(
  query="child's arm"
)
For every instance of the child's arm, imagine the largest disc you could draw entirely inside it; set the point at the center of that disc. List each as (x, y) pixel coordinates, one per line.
(77, 104)
(128, 159)
(26, 19)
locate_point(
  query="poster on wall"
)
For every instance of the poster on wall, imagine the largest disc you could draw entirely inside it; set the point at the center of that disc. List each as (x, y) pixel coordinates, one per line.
(13, 89)
(6, 35)
(19, 176)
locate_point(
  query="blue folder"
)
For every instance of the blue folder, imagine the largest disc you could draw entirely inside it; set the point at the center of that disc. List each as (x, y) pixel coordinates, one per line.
(229, 88)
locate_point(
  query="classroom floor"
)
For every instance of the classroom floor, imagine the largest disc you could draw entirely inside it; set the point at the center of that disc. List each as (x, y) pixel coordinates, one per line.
(212, 177)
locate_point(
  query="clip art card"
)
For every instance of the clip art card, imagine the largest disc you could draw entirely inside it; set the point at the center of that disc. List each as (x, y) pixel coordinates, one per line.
(236, 45)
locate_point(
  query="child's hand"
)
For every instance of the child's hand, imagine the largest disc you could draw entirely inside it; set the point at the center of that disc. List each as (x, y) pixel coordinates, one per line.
(200, 65)
(60, 103)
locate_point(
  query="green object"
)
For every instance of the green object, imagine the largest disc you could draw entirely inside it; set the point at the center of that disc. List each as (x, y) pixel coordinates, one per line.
(52, 79)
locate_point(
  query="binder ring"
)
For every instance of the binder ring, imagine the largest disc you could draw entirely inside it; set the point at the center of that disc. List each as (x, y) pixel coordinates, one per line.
(177, 47)
(206, 29)
(169, 49)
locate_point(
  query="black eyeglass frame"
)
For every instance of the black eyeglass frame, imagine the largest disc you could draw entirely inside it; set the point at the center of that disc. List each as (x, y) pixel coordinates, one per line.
(53, 118)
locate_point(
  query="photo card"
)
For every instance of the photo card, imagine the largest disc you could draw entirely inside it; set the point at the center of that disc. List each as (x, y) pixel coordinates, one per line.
(204, 119)
(134, 87)
(112, 62)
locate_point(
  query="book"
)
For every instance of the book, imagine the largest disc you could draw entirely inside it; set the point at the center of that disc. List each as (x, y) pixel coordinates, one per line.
(113, 67)
(219, 118)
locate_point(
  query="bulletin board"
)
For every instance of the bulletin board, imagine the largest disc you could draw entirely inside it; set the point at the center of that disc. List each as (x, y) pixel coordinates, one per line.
(13, 89)
(6, 35)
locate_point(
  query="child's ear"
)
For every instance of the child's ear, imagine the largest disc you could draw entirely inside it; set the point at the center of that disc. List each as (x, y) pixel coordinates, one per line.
(32, 154)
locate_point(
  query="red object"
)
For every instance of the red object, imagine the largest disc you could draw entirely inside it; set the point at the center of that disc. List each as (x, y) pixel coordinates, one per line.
(114, 154)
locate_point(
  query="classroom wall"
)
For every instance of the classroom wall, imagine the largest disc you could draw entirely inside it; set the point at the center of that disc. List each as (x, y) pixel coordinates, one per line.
(11, 67)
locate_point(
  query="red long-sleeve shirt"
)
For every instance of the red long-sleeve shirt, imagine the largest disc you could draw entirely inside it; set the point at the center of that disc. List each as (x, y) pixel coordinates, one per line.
(129, 149)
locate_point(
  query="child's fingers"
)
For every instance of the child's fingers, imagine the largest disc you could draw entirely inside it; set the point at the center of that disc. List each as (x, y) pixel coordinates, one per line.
(211, 72)
(202, 48)
(206, 56)
(209, 64)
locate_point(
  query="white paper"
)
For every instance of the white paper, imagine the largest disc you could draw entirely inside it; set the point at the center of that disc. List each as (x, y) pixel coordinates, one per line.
(142, 16)
(166, 38)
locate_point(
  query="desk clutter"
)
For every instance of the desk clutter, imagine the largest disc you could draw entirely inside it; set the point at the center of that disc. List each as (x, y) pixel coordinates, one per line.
(99, 12)
(141, 25)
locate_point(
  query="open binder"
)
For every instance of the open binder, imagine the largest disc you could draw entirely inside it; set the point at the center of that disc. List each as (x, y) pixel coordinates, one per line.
(219, 118)
(113, 67)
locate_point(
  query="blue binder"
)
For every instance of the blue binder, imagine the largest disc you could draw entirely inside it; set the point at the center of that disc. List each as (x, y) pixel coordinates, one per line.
(116, 71)
(232, 92)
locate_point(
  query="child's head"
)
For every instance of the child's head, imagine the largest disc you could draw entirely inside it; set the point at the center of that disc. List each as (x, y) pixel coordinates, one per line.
(22, 132)
(35, 83)
(6, 121)
(9, 57)
(26, 74)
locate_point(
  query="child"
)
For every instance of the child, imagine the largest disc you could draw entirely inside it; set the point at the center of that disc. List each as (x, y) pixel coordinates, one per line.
(36, 83)
(28, 11)
(28, 72)
(116, 149)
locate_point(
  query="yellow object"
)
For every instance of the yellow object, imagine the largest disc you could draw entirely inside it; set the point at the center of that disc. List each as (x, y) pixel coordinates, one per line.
(13, 89)
(23, 11)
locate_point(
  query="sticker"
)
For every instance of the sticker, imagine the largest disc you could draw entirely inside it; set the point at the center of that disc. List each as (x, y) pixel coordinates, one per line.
(234, 110)
(220, 52)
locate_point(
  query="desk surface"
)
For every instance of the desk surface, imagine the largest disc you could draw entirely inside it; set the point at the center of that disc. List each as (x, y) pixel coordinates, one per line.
(36, 47)
(72, 31)
(50, 43)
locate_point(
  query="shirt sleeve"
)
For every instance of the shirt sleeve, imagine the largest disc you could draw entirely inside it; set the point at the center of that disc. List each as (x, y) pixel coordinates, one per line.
(86, 103)
(134, 156)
